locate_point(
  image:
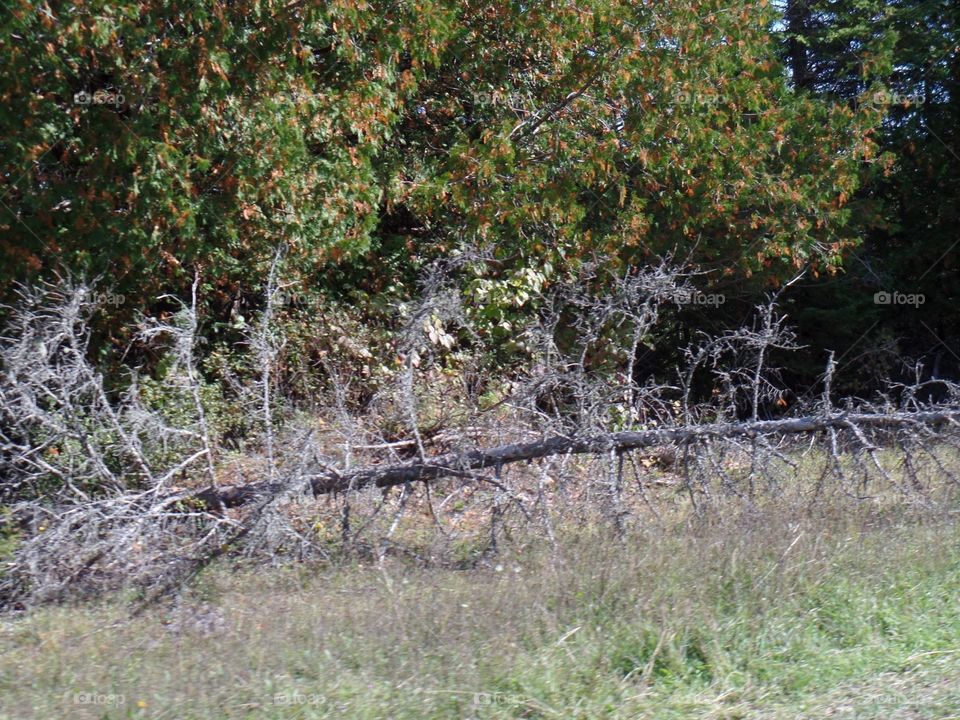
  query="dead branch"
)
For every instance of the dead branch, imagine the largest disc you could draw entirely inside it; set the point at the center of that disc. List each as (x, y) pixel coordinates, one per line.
(457, 464)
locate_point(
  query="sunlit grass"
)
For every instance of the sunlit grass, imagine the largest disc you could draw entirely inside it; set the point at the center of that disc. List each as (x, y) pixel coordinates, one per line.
(757, 613)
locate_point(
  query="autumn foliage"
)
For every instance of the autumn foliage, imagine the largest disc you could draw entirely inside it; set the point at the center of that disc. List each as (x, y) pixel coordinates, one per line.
(148, 141)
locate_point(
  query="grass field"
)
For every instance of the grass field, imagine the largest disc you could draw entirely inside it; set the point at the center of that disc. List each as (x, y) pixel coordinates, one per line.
(768, 613)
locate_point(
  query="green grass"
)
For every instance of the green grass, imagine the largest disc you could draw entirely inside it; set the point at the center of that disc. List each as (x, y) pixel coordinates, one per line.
(776, 615)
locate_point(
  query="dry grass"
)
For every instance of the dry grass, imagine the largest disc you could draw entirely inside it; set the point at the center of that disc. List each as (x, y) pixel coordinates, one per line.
(763, 612)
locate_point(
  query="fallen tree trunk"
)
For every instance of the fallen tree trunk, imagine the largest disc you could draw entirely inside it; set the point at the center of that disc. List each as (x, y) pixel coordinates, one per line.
(456, 464)
(159, 540)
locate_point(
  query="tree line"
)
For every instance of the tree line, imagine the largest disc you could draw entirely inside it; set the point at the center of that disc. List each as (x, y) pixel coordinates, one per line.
(161, 146)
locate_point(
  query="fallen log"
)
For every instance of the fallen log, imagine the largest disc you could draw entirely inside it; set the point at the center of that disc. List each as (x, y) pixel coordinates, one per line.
(463, 463)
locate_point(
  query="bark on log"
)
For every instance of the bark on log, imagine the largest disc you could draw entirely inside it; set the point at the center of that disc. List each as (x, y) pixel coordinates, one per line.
(462, 463)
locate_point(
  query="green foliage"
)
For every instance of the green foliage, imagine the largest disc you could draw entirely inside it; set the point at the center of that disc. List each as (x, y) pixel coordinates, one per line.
(903, 59)
(209, 134)
(173, 401)
(513, 144)
(213, 133)
(144, 142)
(9, 536)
